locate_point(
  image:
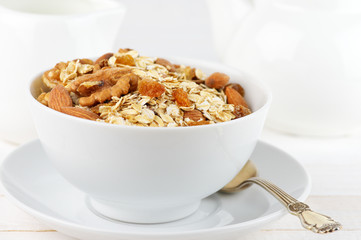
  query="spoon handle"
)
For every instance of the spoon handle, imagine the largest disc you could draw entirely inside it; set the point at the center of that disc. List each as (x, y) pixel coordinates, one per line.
(310, 220)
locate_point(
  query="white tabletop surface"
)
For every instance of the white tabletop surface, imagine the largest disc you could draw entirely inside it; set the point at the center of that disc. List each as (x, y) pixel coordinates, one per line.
(333, 163)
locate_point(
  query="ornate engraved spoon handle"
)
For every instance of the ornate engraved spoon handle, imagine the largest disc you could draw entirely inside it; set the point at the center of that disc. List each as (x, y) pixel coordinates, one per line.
(310, 220)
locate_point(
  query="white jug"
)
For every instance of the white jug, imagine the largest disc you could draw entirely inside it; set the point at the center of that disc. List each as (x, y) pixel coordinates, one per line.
(35, 35)
(309, 53)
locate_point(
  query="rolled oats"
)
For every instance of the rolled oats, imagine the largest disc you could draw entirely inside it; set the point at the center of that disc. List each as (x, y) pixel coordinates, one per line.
(128, 89)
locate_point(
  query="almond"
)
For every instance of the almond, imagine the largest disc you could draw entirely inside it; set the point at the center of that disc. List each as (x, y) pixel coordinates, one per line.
(165, 63)
(236, 87)
(199, 81)
(79, 112)
(59, 97)
(194, 115)
(235, 98)
(217, 80)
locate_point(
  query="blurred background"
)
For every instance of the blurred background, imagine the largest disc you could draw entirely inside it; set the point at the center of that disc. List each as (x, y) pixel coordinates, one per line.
(168, 28)
(307, 51)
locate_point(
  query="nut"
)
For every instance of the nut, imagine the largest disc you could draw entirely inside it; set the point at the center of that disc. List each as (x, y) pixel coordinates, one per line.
(235, 98)
(194, 115)
(217, 80)
(109, 74)
(105, 93)
(59, 97)
(85, 61)
(165, 63)
(133, 81)
(102, 61)
(79, 112)
(236, 87)
(104, 57)
(52, 77)
(86, 88)
(199, 81)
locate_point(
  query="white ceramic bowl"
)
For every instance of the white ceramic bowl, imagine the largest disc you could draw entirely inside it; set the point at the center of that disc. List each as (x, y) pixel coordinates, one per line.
(145, 174)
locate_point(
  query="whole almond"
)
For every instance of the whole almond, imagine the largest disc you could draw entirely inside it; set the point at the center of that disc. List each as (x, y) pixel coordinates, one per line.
(79, 112)
(194, 115)
(165, 63)
(236, 87)
(59, 97)
(217, 80)
(235, 98)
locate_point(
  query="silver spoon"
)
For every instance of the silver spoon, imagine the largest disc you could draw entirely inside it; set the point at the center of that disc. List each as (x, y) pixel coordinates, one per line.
(310, 220)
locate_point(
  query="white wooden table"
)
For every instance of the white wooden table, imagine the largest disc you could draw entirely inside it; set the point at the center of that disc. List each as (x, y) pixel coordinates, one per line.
(333, 163)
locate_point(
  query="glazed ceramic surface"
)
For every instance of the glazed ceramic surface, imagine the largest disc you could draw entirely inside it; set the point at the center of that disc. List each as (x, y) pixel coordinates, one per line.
(308, 51)
(38, 34)
(33, 184)
(146, 174)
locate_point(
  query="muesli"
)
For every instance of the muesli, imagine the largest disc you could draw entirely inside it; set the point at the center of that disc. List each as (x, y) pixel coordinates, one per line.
(128, 89)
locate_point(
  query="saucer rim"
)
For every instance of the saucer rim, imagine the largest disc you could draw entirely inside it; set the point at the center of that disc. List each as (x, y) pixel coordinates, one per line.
(50, 220)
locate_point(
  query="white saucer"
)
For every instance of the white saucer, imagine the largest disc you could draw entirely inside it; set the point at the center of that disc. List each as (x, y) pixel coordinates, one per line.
(35, 186)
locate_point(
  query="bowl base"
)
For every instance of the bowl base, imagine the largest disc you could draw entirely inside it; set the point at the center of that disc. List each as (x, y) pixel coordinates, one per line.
(136, 214)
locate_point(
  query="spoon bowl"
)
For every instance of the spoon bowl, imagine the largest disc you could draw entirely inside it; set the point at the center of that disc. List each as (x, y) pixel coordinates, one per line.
(249, 170)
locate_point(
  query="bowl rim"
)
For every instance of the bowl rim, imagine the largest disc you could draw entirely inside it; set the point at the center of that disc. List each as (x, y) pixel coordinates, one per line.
(189, 61)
